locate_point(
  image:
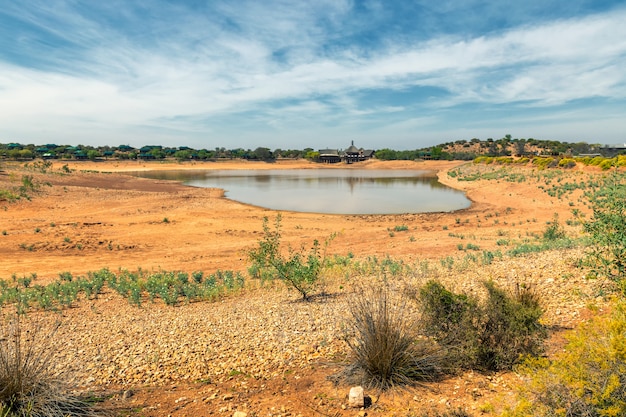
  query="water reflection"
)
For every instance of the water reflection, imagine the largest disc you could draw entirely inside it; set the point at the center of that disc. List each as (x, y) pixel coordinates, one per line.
(336, 191)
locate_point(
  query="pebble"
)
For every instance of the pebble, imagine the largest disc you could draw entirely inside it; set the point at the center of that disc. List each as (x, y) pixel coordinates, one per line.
(108, 341)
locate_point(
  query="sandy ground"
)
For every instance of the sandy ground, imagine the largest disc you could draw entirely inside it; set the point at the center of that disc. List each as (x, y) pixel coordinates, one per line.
(97, 216)
(88, 220)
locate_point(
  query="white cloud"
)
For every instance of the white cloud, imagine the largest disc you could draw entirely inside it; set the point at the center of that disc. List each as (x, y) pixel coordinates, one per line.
(250, 58)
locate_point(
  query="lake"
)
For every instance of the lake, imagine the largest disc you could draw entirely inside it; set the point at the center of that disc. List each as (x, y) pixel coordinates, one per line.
(332, 191)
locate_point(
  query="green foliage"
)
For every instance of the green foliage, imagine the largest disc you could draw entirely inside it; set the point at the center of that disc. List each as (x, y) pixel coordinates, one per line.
(169, 286)
(607, 230)
(567, 163)
(449, 319)
(588, 378)
(298, 269)
(554, 231)
(491, 336)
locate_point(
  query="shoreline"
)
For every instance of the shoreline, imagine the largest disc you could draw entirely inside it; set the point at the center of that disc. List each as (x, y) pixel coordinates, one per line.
(125, 166)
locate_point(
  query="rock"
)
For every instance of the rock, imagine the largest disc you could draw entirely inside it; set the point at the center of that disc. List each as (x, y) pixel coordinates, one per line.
(240, 414)
(127, 394)
(356, 398)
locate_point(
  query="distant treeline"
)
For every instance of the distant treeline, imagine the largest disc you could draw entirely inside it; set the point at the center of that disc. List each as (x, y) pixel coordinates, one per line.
(458, 150)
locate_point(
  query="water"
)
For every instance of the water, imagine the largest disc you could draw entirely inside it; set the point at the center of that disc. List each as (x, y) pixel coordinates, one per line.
(333, 191)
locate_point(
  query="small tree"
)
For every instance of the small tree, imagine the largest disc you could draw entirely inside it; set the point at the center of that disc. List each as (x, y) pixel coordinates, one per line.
(299, 269)
(607, 229)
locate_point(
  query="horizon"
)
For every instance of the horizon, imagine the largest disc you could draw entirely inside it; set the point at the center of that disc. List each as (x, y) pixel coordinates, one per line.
(410, 74)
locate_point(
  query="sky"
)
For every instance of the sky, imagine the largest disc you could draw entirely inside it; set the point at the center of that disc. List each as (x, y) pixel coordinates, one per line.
(311, 74)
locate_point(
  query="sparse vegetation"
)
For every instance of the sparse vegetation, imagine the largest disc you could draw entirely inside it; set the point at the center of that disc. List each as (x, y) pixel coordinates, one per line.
(607, 230)
(170, 286)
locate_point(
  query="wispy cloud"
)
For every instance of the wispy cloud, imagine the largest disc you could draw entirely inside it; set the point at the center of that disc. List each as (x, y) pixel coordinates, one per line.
(94, 71)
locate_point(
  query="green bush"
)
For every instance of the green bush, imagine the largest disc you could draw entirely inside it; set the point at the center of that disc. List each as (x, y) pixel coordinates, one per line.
(554, 231)
(449, 319)
(298, 269)
(607, 231)
(567, 163)
(488, 336)
(588, 378)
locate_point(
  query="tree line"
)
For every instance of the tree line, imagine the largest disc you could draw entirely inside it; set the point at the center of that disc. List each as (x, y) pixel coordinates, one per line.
(457, 150)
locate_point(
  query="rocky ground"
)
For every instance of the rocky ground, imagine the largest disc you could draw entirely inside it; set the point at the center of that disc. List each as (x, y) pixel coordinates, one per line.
(262, 351)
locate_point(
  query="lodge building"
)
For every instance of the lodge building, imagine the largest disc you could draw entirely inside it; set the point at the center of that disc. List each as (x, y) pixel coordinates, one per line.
(350, 155)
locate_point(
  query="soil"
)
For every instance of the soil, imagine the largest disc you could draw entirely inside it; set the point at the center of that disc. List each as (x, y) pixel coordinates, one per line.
(96, 216)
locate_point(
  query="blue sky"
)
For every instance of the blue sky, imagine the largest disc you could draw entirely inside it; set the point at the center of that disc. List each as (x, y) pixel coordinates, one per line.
(295, 74)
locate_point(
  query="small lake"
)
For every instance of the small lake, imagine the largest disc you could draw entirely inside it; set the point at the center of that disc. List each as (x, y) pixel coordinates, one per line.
(333, 191)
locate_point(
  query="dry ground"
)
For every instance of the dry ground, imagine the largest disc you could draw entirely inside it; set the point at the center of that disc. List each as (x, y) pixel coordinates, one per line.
(261, 351)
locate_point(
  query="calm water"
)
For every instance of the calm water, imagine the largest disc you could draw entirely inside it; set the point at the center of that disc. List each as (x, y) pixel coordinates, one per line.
(336, 191)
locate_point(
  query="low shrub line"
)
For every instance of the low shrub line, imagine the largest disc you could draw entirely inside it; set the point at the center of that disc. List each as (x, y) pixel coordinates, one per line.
(172, 287)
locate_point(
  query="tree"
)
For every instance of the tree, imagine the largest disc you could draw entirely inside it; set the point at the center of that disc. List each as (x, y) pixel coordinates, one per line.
(263, 154)
(92, 154)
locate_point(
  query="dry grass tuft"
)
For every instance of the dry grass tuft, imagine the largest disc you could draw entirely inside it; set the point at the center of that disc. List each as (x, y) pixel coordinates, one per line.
(29, 384)
(385, 350)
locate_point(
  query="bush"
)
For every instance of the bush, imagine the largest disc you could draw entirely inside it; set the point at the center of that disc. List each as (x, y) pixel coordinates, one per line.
(567, 163)
(29, 386)
(299, 270)
(385, 352)
(588, 378)
(554, 231)
(449, 319)
(492, 336)
(607, 230)
(511, 328)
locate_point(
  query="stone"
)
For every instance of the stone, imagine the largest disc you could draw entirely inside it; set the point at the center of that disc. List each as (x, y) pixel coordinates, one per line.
(356, 397)
(240, 414)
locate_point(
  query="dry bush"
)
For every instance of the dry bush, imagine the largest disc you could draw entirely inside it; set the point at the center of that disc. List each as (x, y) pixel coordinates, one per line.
(29, 383)
(385, 349)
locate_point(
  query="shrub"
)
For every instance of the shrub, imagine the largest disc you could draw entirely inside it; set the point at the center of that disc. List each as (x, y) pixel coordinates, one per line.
(298, 269)
(491, 336)
(511, 327)
(607, 230)
(449, 319)
(567, 163)
(588, 378)
(29, 386)
(554, 231)
(385, 352)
